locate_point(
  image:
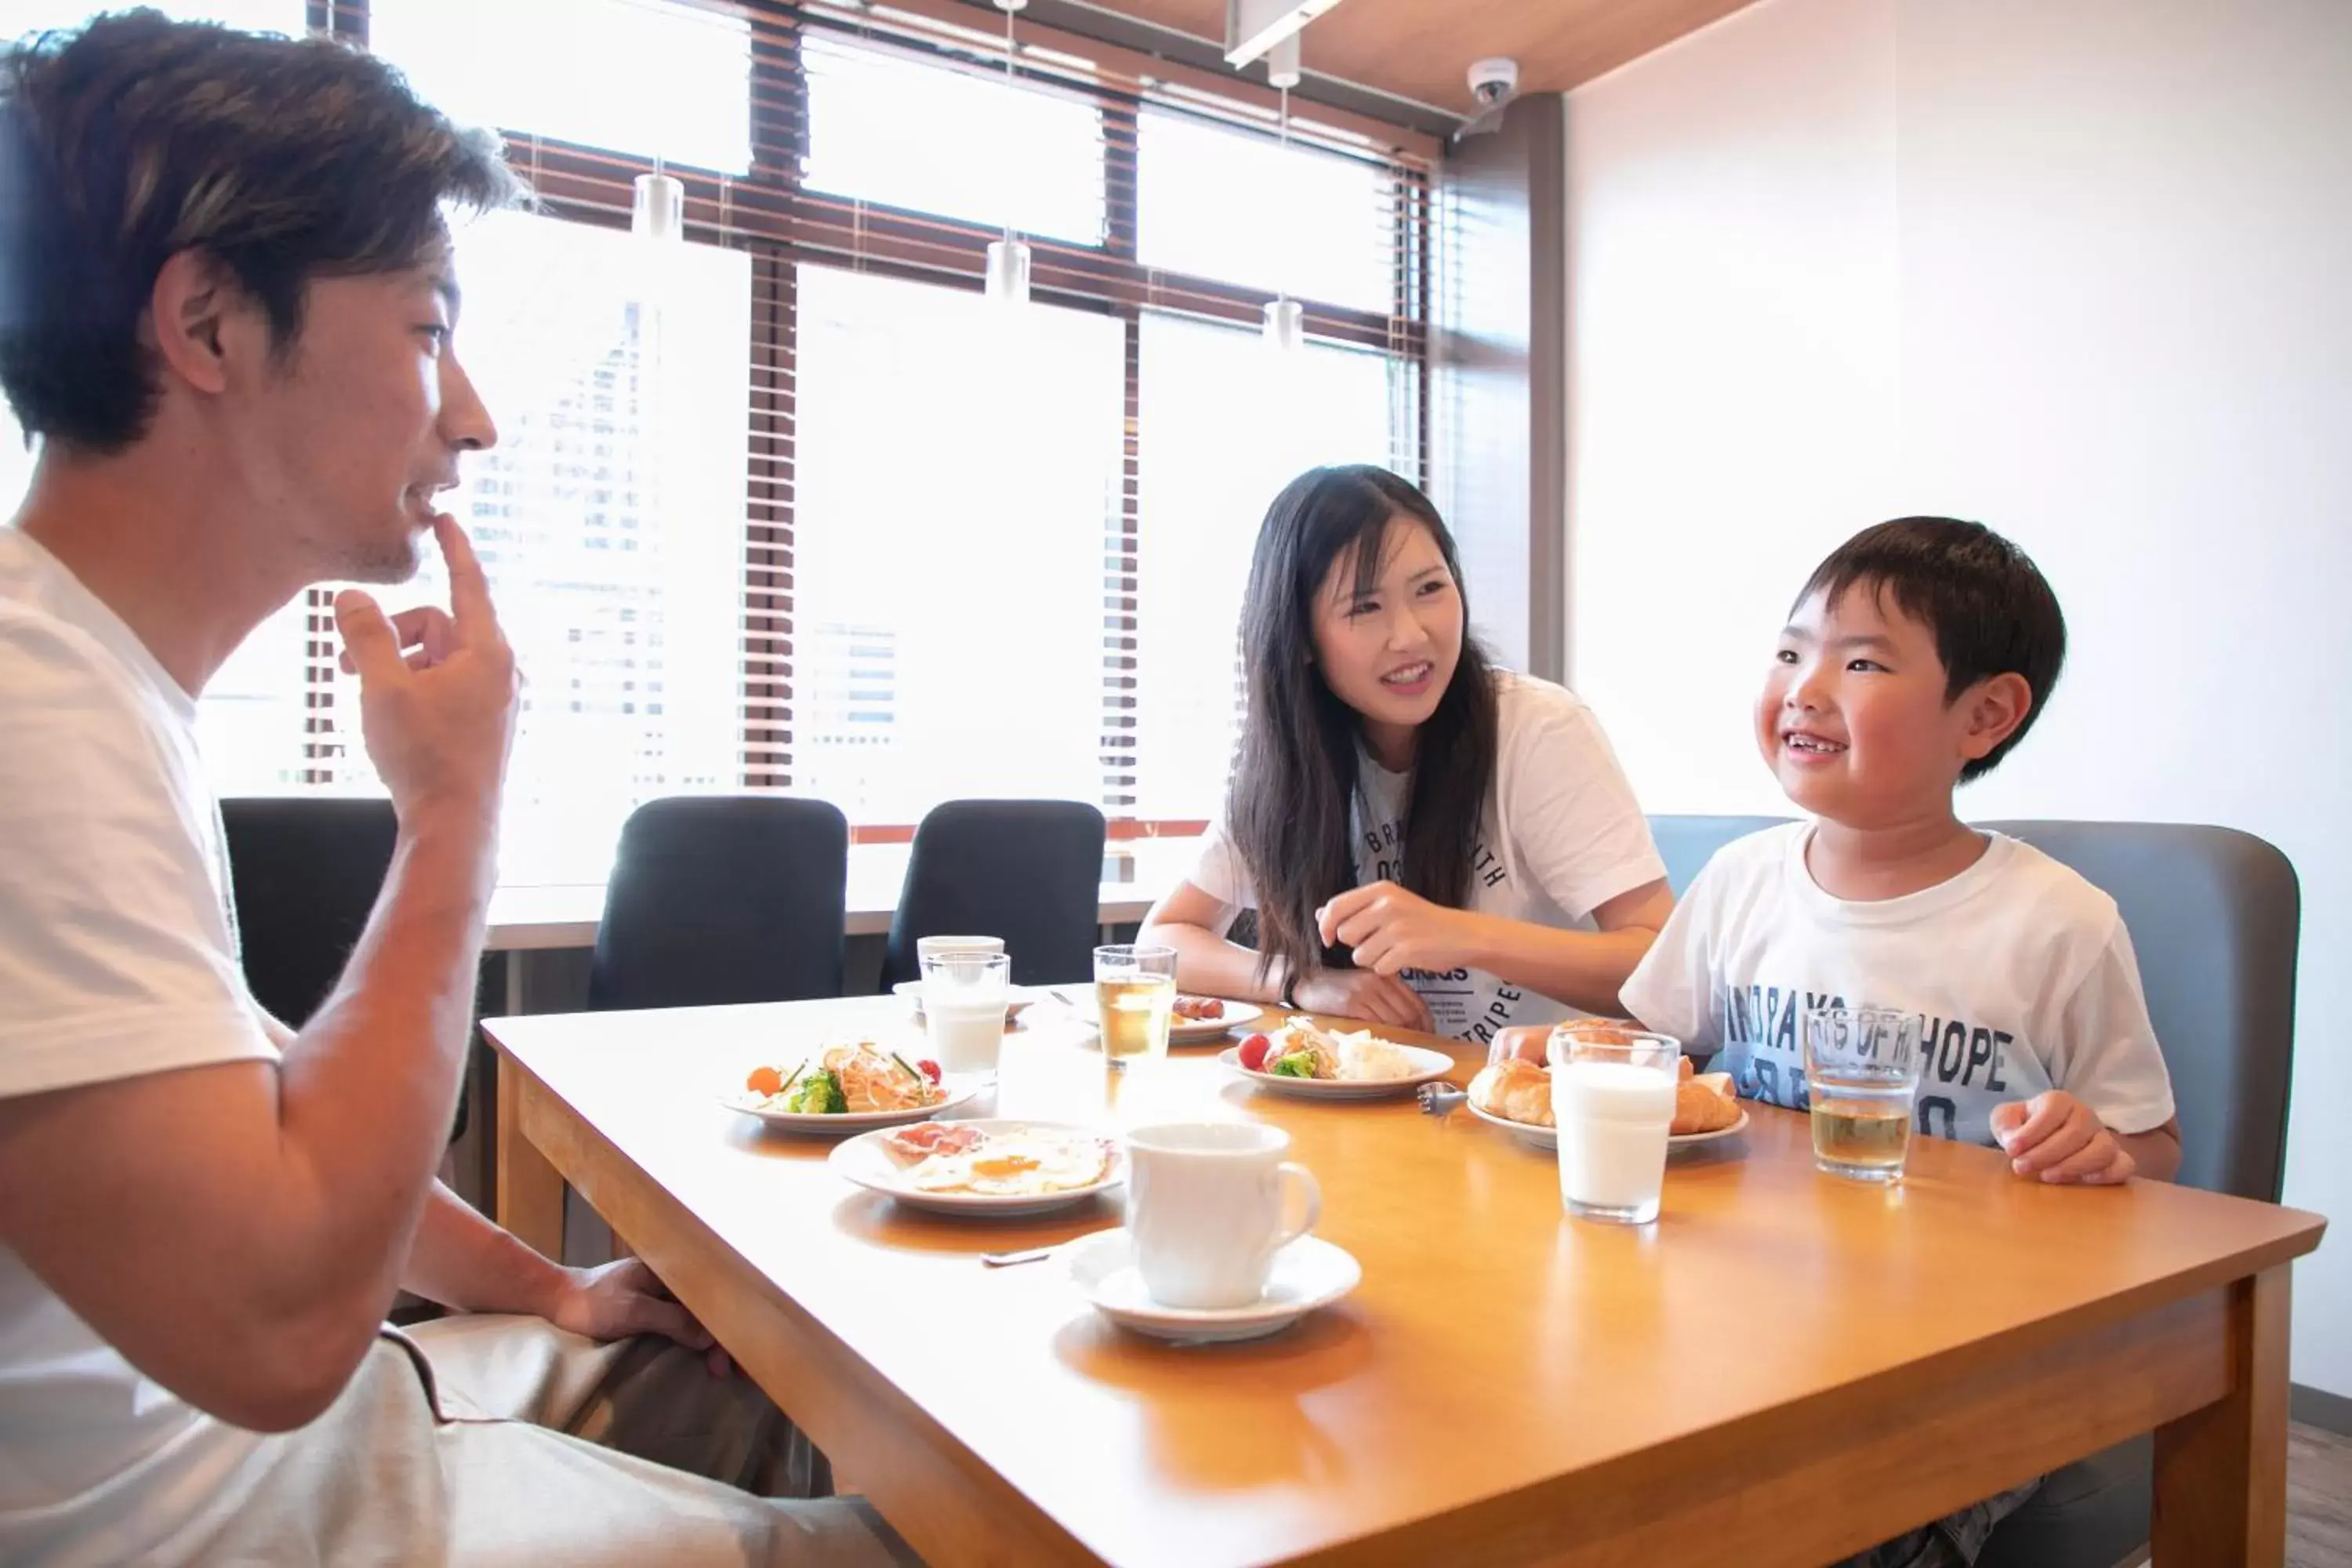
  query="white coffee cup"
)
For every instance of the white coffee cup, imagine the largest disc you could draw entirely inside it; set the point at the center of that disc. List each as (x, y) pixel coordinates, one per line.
(1206, 1206)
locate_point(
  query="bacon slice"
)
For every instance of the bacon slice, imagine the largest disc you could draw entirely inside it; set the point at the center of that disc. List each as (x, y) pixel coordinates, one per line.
(912, 1145)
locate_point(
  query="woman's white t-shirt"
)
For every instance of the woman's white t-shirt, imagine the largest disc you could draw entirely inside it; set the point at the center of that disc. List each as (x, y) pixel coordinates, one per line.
(2020, 971)
(1563, 836)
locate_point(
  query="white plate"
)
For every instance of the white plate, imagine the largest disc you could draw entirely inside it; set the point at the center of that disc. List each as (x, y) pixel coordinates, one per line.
(1307, 1274)
(1017, 998)
(1236, 1016)
(1428, 1066)
(863, 1160)
(1549, 1137)
(959, 1088)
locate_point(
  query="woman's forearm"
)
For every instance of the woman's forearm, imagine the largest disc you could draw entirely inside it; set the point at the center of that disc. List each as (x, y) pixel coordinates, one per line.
(1584, 969)
(1209, 965)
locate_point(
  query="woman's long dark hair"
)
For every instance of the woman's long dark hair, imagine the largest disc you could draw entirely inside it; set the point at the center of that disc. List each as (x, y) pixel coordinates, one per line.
(1288, 808)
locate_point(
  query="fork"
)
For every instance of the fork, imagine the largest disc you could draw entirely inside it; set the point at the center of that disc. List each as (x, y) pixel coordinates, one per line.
(1437, 1098)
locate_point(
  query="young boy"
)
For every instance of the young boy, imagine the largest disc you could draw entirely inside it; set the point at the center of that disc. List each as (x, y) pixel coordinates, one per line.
(1919, 653)
(1916, 656)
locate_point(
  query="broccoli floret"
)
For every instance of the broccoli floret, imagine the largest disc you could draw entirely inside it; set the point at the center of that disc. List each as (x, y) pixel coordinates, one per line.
(818, 1093)
(1297, 1064)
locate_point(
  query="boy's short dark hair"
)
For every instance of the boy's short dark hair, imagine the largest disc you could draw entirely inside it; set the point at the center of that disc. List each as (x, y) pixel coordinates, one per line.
(138, 137)
(1987, 605)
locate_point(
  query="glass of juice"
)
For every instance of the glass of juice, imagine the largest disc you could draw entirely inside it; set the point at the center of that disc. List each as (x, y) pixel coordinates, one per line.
(1862, 1075)
(1134, 989)
(1613, 1100)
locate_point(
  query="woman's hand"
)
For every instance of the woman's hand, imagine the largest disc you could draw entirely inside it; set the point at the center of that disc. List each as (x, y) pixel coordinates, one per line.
(1361, 993)
(1389, 930)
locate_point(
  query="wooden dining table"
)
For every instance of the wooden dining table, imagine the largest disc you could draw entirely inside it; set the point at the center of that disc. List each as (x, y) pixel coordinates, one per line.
(1785, 1368)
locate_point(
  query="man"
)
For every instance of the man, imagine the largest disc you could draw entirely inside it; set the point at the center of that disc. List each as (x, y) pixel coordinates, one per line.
(227, 308)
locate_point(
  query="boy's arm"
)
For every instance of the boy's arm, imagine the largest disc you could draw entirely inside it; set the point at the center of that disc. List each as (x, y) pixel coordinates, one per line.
(2055, 1138)
(2156, 1154)
(2111, 1115)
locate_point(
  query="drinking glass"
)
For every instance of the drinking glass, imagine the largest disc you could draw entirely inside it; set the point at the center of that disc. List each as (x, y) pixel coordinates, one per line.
(964, 998)
(1612, 1101)
(1861, 1075)
(1134, 989)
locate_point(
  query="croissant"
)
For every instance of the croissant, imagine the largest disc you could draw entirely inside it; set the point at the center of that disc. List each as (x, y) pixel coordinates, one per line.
(1603, 1031)
(1706, 1103)
(1514, 1091)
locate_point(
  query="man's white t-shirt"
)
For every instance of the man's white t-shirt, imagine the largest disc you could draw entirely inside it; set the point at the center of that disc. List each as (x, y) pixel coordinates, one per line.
(1563, 836)
(118, 958)
(2020, 971)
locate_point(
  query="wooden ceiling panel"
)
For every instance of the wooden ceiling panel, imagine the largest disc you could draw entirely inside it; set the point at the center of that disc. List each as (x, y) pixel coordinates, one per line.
(1421, 49)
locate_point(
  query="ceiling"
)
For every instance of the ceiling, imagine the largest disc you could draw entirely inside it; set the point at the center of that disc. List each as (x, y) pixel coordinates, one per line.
(1421, 49)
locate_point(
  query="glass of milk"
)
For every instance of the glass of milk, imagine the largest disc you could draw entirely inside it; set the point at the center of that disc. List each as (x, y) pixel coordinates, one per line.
(964, 998)
(1612, 1098)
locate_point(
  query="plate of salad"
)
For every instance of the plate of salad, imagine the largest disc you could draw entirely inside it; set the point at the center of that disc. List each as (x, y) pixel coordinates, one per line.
(847, 1088)
(1305, 1059)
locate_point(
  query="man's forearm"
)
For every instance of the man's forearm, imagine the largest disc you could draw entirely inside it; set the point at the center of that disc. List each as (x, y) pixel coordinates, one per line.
(460, 1260)
(369, 1084)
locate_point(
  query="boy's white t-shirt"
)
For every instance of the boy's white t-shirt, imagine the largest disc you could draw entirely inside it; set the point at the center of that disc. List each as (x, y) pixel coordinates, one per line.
(1563, 836)
(2020, 971)
(118, 958)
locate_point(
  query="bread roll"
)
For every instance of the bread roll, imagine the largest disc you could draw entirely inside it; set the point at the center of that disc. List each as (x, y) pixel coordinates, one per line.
(1704, 1105)
(1514, 1091)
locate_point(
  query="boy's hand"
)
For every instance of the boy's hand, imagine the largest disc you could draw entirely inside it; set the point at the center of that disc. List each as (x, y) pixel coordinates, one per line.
(2057, 1138)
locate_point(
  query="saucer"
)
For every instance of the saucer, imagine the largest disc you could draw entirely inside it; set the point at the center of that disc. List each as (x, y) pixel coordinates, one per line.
(1308, 1273)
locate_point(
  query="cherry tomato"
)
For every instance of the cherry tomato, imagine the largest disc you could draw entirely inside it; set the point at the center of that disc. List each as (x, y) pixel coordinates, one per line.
(764, 1080)
(1254, 1049)
(929, 1068)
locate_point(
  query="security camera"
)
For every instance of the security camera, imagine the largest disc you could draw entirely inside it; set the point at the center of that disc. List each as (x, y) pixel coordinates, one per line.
(1493, 81)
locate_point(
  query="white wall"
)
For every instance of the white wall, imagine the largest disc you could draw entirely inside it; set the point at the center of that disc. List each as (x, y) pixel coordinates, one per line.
(2081, 270)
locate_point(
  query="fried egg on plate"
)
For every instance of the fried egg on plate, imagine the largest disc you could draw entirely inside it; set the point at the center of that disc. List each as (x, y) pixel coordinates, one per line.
(1015, 1165)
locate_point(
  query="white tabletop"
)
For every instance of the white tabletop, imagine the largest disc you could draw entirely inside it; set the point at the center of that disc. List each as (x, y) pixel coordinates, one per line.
(529, 919)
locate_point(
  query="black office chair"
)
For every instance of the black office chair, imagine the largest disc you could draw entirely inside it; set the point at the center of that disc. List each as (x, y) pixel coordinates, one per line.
(306, 871)
(722, 898)
(1028, 870)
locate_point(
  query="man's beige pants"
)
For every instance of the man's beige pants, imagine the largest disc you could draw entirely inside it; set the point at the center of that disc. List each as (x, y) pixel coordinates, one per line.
(496, 1440)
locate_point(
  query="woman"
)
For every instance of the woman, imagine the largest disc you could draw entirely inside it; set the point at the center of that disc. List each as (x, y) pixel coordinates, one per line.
(1427, 841)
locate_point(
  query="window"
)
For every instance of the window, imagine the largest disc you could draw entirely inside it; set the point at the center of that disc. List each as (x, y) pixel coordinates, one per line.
(884, 127)
(670, 76)
(791, 506)
(1231, 423)
(1220, 203)
(613, 504)
(18, 17)
(959, 472)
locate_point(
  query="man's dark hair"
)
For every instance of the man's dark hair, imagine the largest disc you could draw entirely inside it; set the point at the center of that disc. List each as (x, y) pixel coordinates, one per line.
(1987, 605)
(138, 137)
